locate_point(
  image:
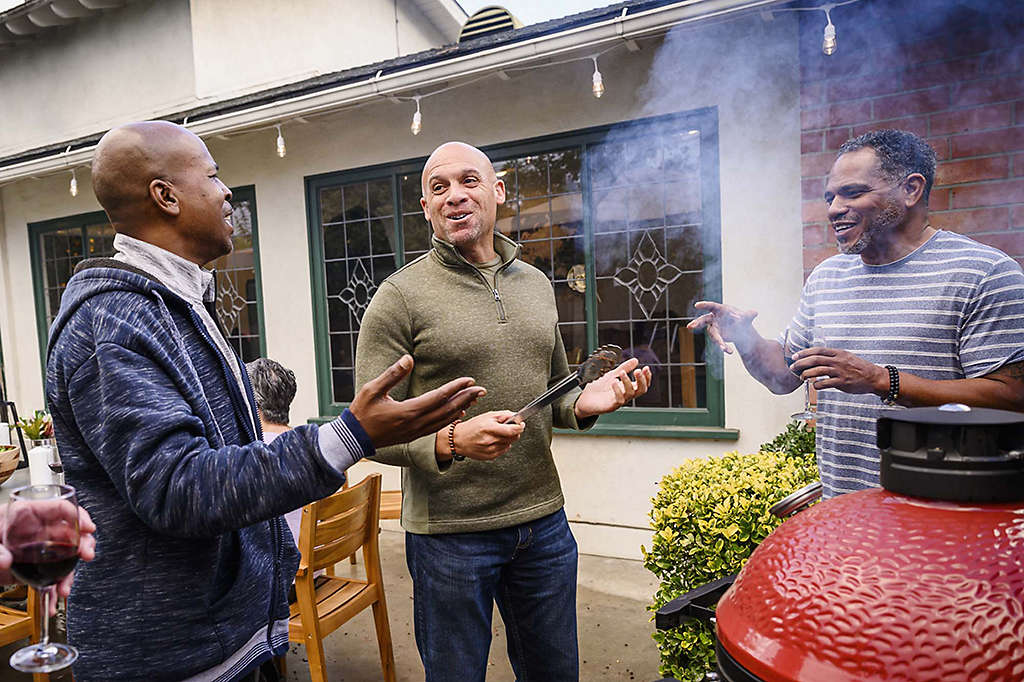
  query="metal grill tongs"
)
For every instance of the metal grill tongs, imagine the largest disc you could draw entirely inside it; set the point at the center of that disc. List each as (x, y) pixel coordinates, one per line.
(599, 363)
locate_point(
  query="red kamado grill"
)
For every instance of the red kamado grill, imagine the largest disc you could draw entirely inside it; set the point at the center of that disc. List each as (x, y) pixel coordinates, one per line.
(920, 580)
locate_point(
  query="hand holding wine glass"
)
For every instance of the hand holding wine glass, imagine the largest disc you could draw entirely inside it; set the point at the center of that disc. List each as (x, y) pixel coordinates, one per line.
(43, 535)
(788, 349)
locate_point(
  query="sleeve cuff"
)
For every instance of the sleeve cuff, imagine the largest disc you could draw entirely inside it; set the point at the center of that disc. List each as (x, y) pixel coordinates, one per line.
(343, 442)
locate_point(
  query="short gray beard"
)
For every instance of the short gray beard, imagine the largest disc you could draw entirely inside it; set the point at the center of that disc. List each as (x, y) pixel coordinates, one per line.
(890, 217)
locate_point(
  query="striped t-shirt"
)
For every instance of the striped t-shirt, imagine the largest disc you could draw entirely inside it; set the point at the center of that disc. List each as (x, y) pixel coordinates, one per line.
(954, 308)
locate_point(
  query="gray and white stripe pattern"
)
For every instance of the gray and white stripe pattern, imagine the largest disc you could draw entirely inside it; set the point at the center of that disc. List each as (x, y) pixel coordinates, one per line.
(954, 308)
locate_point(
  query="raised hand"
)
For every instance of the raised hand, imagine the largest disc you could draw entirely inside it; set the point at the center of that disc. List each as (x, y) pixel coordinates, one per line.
(484, 437)
(388, 421)
(613, 390)
(725, 324)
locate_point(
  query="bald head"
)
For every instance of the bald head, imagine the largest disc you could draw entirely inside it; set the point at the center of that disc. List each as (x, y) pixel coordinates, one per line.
(130, 157)
(457, 152)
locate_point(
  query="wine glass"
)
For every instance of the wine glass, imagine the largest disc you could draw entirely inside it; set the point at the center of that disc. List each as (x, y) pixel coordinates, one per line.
(54, 463)
(41, 533)
(807, 413)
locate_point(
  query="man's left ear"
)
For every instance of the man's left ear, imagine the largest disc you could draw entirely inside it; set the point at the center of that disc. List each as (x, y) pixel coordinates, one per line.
(913, 189)
(499, 191)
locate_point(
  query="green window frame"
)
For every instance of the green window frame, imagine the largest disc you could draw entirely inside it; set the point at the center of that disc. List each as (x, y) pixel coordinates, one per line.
(371, 211)
(90, 235)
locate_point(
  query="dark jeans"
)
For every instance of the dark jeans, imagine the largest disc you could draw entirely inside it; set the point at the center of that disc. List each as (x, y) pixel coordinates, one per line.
(529, 570)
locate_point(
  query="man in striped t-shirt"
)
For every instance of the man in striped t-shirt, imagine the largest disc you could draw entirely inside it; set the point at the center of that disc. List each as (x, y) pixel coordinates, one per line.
(906, 315)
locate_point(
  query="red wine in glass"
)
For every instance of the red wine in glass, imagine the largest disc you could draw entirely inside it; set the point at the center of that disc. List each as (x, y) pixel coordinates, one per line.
(42, 564)
(56, 467)
(41, 533)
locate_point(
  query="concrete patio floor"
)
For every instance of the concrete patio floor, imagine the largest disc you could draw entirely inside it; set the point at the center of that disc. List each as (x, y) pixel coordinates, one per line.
(614, 628)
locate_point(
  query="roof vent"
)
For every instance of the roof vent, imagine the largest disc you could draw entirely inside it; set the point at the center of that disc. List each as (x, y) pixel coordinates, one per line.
(488, 21)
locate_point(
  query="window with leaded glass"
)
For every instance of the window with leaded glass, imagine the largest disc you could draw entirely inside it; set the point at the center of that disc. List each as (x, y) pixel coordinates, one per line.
(623, 220)
(59, 245)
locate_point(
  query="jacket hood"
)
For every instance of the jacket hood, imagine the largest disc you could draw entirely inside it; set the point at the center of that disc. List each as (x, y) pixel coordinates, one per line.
(98, 276)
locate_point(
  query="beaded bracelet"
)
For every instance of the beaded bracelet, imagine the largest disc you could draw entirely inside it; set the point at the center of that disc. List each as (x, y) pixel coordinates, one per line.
(894, 386)
(451, 441)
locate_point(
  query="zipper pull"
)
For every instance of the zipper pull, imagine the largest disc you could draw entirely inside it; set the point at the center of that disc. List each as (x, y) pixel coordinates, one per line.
(496, 296)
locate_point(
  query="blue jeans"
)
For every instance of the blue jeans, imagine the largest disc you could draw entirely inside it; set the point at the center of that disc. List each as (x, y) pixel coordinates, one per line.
(529, 570)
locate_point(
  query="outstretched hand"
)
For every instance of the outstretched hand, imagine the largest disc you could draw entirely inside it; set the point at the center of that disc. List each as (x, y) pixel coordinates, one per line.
(613, 390)
(725, 324)
(388, 421)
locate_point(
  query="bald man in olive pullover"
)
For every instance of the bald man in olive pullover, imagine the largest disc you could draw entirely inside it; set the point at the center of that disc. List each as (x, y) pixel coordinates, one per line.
(482, 502)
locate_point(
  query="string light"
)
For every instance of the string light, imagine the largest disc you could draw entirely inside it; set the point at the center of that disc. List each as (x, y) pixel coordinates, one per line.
(281, 149)
(828, 43)
(73, 187)
(828, 40)
(598, 81)
(417, 118)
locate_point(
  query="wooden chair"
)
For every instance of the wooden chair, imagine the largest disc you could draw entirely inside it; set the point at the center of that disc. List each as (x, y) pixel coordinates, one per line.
(16, 624)
(332, 529)
(390, 508)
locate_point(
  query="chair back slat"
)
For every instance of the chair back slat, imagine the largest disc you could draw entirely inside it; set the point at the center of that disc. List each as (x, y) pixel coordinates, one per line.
(340, 524)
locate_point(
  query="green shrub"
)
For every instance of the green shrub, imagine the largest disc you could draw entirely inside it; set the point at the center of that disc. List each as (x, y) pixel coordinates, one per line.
(797, 440)
(709, 515)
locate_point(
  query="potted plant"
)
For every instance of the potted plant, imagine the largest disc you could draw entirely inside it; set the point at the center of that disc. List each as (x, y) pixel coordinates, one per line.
(38, 429)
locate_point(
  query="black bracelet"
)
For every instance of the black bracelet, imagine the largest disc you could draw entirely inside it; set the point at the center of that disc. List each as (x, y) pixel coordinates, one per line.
(894, 386)
(451, 441)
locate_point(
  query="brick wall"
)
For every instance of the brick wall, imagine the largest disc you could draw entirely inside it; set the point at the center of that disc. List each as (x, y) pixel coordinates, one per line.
(951, 71)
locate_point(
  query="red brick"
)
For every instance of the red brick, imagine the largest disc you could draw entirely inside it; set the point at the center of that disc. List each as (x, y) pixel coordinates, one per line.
(972, 170)
(988, 194)
(1018, 116)
(1010, 243)
(972, 220)
(1017, 217)
(938, 200)
(865, 86)
(989, 142)
(927, 51)
(917, 102)
(1001, 61)
(812, 142)
(814, 211)
(941, 73)
(814, 235)
(970, 120)
(1017, 165)
(812, 188)
(812, 94)
(941, 147)
(989, 90)
(836, 136)
(817, 254)
(815, 165)
(915, 124)
(972, 41)
(836, 115)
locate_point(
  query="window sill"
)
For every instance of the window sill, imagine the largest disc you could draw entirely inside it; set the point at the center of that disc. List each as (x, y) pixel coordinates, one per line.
(631, 431)
(655, 431)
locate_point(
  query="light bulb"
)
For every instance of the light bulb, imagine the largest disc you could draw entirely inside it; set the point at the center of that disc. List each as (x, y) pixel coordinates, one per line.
(281, 149)
(598, 82)
(73, 188)
(417, 120)
(828, 44)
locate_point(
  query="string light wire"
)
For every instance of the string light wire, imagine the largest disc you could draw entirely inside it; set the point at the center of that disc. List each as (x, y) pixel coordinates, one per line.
(829, 43)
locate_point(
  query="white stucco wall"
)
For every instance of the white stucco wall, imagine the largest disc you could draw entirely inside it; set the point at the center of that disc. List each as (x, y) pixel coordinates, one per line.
(747, 68)
(241, 45)
(125, 65)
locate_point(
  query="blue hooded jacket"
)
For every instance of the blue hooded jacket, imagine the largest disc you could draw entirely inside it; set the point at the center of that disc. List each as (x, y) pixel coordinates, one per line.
(192, 557)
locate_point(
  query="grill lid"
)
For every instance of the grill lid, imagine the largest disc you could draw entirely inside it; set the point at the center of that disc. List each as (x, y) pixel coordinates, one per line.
(954, 453)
